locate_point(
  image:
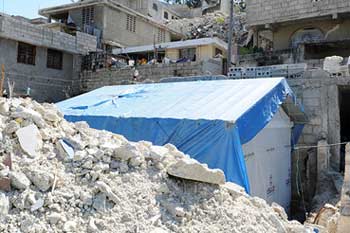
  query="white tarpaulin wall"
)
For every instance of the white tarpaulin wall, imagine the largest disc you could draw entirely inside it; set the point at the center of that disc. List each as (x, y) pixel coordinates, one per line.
(268, 161)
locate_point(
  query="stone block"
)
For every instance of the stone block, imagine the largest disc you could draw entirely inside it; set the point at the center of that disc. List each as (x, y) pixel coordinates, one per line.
(192, 170)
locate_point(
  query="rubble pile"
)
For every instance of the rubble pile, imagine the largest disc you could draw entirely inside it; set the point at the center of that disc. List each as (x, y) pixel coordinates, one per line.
(327, 217)
(210, 25)
(57, 176)
(325, 205)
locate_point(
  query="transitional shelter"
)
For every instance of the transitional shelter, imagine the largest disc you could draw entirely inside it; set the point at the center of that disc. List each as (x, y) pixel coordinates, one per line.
(208, 120)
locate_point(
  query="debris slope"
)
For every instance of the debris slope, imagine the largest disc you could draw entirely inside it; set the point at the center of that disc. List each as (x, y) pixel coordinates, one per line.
(211, 25)
(57, 176)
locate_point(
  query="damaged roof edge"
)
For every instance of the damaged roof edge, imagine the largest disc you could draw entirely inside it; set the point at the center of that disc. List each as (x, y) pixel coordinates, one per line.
(59, 9)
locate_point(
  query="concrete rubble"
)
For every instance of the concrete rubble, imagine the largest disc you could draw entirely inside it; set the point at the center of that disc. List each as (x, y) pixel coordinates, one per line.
(211, 25)
(112, 185)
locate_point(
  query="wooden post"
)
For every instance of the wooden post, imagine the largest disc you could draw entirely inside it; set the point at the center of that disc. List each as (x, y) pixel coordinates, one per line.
(2, 80)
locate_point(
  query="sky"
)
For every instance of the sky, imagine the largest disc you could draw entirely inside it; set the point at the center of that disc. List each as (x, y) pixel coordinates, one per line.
(28, 8)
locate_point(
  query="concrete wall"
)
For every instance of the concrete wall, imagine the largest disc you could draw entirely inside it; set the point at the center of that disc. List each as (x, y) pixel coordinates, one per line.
(282, 35)
(344, 219)
(46, 84)
(150, 73)
(203, 53)
(77, 16)
(319, 94)
(172, 54)
(14, 29)
(260, 12)
(159, 14)
(115, 29)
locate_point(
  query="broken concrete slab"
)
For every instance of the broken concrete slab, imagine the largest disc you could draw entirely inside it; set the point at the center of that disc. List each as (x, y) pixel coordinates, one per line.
(19, 180)
(37, 205)
(30, 140)
(4, 107)
(192, 170)
(11, 127)
(41, 179)
(104, 188)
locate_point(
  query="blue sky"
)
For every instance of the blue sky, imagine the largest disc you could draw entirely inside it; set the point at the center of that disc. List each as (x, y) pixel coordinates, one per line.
(28, 8)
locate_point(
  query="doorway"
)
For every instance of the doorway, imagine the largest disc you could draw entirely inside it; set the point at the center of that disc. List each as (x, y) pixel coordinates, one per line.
(344, 111)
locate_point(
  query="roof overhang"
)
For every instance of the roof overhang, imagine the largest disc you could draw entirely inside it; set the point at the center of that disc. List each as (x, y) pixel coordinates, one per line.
(174, 45)
(287, 21)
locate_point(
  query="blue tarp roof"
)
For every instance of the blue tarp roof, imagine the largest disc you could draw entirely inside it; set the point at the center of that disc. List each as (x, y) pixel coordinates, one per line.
(208, 120)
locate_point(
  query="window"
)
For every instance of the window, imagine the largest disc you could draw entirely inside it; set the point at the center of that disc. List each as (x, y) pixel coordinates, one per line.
(155, 7)
(54, 59)
(88, 15)
(131, 23)
(166, 15)
(218, 51)
(26, 53)
(189, 53)
(161, 35)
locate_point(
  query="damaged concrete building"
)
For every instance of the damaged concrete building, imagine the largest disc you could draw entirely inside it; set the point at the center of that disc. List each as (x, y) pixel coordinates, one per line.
(310, 30)
(41, 62)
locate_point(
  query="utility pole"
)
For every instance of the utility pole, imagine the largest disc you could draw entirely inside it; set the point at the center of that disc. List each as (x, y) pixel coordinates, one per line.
(230, 35)
(2, 80)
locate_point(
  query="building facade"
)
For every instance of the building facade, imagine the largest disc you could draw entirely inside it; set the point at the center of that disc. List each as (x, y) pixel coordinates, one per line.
(312, 28)
(115, 24)
(42, 63)
(193, 50)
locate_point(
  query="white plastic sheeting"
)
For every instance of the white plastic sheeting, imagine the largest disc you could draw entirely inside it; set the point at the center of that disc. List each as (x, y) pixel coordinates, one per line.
(268, 161)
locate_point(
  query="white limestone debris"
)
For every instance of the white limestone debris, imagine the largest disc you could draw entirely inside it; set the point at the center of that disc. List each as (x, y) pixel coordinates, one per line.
(19, 180)
(112, 185)
(29, 139)
(214, 24)
(193, 170)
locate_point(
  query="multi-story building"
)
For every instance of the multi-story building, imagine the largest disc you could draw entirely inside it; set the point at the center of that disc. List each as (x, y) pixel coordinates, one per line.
(42, 63)
(312, 28)
(115, 24)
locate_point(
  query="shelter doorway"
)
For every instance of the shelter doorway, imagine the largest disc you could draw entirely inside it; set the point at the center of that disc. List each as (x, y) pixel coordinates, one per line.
(344, 111)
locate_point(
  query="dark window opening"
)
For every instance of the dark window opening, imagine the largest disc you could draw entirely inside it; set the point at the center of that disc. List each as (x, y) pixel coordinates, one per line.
(218, 51)
(26, 53)
(189, 53)
(54, 59)
(344, 111)
(166, 15)
(326, 49)
(155, 7)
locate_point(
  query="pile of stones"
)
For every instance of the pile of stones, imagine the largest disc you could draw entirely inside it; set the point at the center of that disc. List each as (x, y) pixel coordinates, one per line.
(57, 176)
(210, 25)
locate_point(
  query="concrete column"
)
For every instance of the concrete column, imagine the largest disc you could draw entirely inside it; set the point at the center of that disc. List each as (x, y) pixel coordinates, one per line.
(322, 157)
(344, 220)
(256, 38)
